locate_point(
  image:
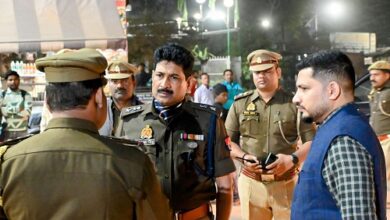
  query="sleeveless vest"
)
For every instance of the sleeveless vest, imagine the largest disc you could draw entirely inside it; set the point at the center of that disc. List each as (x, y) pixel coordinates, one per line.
(312, 199)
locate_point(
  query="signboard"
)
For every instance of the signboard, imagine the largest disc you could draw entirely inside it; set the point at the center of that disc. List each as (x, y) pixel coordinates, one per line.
(353, 42)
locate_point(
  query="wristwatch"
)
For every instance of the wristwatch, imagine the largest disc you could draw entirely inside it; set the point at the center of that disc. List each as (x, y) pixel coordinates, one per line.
(295, 159)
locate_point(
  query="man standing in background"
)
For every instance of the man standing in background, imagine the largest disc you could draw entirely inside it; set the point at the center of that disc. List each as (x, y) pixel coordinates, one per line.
(203, 93)
(16, 107)
(233, 87)
(380, 107)
(141, 78)
(121, 84)
(265, 123)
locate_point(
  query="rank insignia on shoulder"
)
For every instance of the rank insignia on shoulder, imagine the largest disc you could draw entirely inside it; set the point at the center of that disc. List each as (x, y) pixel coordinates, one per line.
(146, 136)
(251, 107)
(134, 109)
(131, 110)
(196, 137)
(242, 95)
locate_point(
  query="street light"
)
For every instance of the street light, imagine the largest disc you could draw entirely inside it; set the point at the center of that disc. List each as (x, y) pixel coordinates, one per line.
(266, 23)
(228, 4)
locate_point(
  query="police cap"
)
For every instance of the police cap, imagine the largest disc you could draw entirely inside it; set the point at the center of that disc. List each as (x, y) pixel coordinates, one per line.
(73, 66)
(120, 70)
(380, 65)
(260, 60)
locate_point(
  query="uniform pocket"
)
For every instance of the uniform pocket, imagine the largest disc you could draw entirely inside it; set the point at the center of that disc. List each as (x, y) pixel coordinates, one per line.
(250, 125)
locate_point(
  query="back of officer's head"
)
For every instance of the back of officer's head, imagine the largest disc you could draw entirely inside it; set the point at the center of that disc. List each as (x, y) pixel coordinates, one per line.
(330, 66)
(177, 54)
(73, 77)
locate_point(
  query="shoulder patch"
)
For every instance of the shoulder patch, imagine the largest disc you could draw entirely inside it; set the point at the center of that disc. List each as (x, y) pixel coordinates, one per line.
(242, 95)
(131, 110)
(204, 107)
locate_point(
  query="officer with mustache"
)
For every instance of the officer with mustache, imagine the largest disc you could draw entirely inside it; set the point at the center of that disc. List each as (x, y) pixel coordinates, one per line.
(186, 141)
(121, 85)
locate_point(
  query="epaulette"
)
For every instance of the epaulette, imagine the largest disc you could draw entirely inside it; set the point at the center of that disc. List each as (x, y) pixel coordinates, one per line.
(242, 95)
(9, 143)
(128, 142)
(131, 110)
(204, 107)
(15, 141)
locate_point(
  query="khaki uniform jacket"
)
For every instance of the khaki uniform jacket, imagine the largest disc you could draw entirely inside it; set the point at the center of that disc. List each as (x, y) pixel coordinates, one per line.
(380, 110)
(266, 127)
(70, 172)
(179, 150)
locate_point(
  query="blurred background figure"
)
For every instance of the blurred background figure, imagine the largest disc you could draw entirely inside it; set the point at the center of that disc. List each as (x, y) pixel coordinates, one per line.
(121, 84)
(203, 93)
(233, 87)
(380, 107)
(220, 98)
(141, 77)
(16, 106)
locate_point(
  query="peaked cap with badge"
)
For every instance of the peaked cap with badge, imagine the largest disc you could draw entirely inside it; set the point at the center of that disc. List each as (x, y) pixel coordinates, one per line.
(120, 70)
(380, 65)
(260, 60)
(73, 66)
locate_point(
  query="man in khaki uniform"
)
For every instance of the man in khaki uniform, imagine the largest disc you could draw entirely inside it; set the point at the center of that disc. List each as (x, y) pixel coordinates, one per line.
(187, 141)
(69, 171)
(265, 121)
(380, 106)
(121, 84)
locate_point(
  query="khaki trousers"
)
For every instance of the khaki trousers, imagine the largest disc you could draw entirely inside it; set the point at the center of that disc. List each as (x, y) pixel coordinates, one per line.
(386, 151)
(264, 201)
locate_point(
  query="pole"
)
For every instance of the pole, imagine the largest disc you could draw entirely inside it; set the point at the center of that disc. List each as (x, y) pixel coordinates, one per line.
(228, 36)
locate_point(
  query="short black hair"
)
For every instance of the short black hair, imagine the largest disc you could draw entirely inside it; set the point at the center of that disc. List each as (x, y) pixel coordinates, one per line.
(71, 95)
(330, 65)
(218, 89)
(11, 73)
(177, 54)
(227, 70)
(204, 74)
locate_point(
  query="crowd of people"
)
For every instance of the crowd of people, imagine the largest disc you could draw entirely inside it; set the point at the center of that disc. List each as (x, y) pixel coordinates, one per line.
(304, 155)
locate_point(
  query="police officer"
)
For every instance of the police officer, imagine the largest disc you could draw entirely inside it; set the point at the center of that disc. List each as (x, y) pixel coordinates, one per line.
(69, 171)
(121, 84)
(187, 141)
(266, 121)
(16, 106)
(380, 106)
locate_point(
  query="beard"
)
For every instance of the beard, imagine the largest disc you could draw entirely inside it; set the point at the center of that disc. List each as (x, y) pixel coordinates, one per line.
(316, 113)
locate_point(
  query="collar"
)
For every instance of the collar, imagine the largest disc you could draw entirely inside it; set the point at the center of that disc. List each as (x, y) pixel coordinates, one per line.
(333, 113)
(279, 94)
(74, 123)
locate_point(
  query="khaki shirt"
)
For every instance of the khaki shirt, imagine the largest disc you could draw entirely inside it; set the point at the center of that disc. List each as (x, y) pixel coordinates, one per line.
(179, 150)
(266, 127)
(380, 110)
(70, 172)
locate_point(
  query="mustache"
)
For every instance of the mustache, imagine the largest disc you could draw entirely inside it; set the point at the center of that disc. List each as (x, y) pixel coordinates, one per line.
(165, 91)
(120, 90)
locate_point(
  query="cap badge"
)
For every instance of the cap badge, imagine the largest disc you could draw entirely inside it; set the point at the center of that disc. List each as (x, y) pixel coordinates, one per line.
(251, 107)
(259, 60)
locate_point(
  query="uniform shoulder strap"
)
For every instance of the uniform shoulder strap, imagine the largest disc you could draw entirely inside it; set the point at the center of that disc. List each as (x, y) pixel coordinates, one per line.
(242, 95)
(204, 107)
(127, 142)
(131, 110)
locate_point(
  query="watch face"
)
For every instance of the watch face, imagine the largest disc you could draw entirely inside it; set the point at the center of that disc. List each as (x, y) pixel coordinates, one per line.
(295, 159)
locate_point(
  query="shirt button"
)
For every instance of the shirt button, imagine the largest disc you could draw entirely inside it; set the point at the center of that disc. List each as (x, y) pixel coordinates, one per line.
(166, 176)
(166, 151)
